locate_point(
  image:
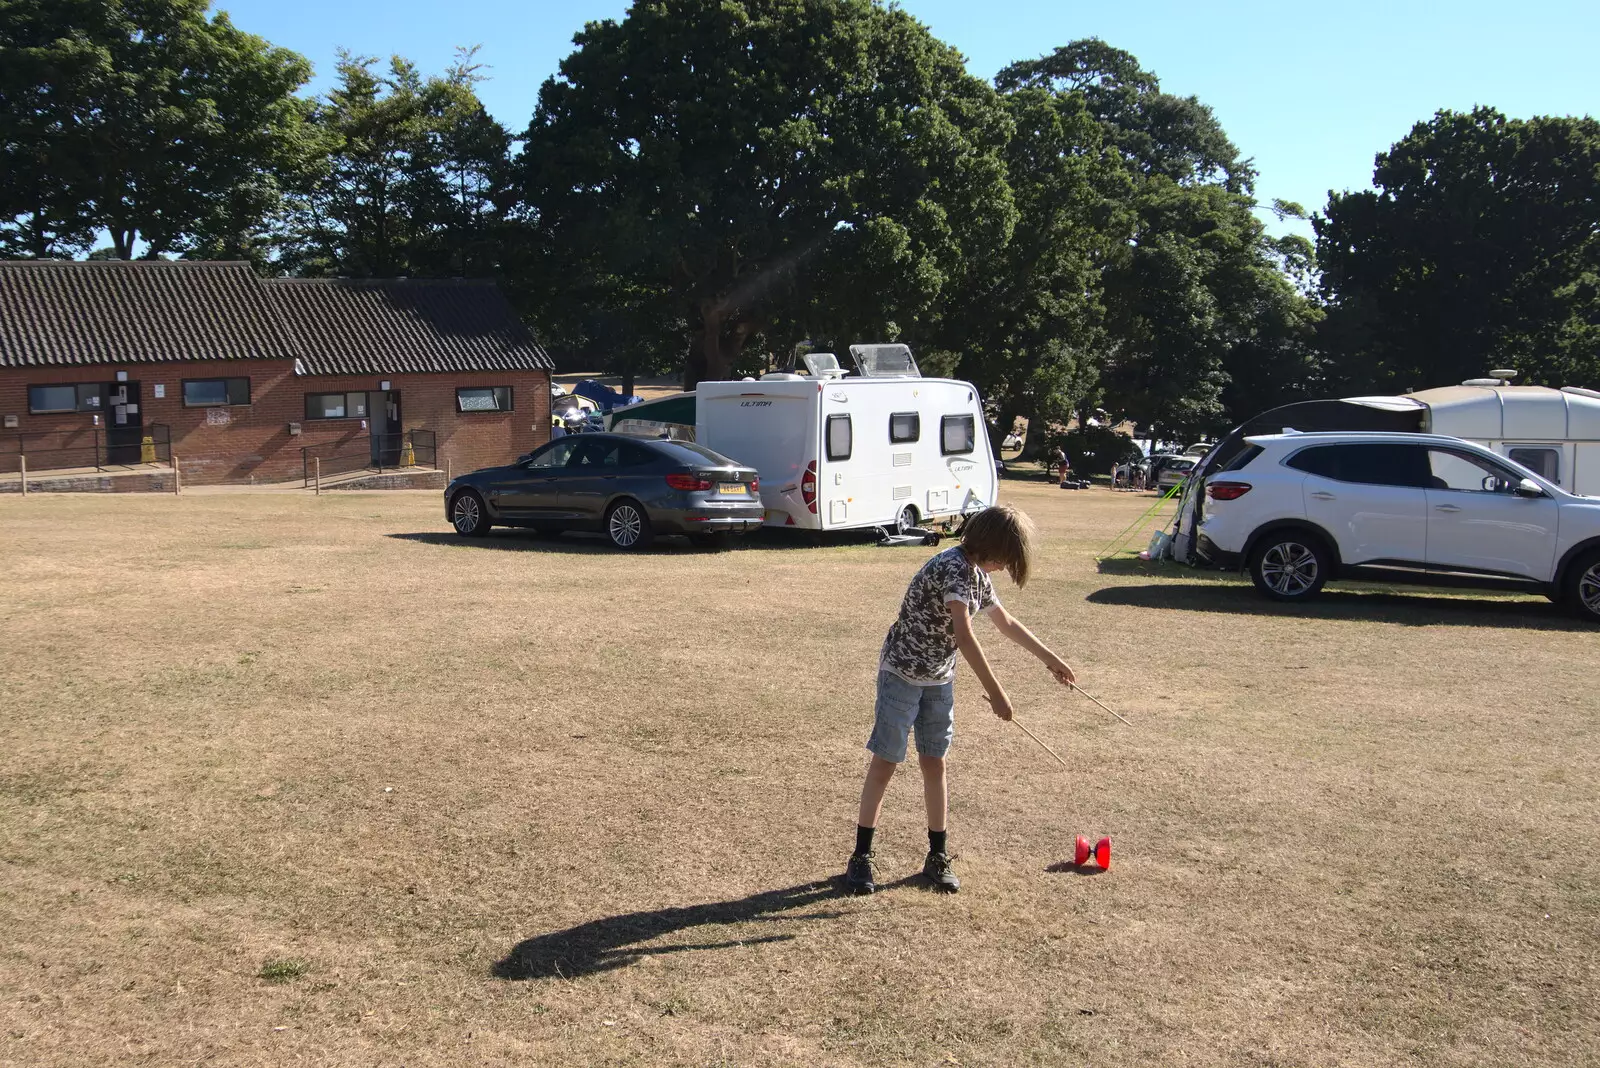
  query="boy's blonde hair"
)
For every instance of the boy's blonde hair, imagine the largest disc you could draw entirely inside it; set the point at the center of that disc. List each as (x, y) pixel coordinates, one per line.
(1000, 536)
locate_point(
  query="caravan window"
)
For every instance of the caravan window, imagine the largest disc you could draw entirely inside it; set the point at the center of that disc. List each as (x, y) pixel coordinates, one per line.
(1544, 462)
(839, 441)
(905, 426)
(957, 434)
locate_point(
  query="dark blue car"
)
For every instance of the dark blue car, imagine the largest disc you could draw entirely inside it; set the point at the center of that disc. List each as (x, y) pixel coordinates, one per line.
(629, 489)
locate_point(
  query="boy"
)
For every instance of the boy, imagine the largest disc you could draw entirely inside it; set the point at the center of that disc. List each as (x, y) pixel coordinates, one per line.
(916, 675)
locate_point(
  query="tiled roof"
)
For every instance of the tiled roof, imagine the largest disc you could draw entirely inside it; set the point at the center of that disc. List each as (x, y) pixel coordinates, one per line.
(57, 313)
(394, 327)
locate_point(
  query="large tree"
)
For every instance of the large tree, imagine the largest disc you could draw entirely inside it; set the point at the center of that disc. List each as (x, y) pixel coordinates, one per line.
(142, 118)
(1026, 322)
(1201, 324)
(806, 167)
(1479, 248)
(409, 176)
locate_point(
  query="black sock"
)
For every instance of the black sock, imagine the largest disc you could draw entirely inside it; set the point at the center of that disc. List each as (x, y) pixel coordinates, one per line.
(936, 841)
(864, 840)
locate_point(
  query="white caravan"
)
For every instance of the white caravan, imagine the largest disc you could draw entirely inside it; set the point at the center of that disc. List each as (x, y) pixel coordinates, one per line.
(888, 448)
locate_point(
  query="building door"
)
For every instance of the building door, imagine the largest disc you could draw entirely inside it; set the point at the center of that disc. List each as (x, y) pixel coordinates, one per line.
(124, 423)
(383, 419)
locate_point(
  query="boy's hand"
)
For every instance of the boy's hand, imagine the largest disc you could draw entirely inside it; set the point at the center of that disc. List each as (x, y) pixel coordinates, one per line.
(1061, 671)
(1001, 706)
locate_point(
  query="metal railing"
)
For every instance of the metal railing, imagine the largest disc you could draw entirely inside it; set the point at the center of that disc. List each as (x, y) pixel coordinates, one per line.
(370, 452)
(96, 447)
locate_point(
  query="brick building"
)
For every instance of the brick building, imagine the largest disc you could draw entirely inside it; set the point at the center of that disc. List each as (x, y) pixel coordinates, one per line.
(244, 378)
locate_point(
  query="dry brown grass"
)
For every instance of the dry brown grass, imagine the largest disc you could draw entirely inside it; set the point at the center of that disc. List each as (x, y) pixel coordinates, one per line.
(299, 780)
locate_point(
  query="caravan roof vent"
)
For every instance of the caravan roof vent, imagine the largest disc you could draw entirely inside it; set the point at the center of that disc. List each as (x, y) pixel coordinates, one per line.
(823, 364)
(884, 361)
(1486, 382)
(782, 376)
(1505, 374)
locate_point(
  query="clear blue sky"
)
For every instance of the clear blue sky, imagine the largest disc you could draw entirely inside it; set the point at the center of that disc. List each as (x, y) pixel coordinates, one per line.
(1310, 91)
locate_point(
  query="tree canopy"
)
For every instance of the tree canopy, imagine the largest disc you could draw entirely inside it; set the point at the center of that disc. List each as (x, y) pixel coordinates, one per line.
(816, 166)
(143, 119)
(1478, 248)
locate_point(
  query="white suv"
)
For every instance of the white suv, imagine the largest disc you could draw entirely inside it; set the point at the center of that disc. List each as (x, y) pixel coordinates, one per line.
(1296, 510)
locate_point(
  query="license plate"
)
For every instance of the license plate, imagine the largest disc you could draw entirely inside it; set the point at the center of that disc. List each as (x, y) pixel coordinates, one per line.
(732, 489)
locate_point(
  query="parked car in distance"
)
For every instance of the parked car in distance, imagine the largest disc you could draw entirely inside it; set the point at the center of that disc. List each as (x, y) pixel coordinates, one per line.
(1174, 471)
(1298, 510)
(629, 489)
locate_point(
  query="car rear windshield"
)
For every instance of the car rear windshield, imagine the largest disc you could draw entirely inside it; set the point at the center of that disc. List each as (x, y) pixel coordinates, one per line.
(689, 452)
(1244, 459)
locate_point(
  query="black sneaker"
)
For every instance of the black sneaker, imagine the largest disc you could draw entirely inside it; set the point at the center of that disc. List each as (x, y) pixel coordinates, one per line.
(936, 869)
(858, 874)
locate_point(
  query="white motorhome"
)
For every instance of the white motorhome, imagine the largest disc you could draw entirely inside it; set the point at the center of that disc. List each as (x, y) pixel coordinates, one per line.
(836, 452)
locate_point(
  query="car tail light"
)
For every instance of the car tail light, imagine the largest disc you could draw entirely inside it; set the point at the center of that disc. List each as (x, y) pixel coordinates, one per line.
(755, 484)
(808, 486)
(691, 483)
(1227, 491)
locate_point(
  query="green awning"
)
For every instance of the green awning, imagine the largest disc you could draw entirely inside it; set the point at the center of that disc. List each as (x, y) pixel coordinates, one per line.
(678, 408)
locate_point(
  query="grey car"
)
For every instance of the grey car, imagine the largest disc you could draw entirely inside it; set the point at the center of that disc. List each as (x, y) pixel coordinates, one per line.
(629, 489)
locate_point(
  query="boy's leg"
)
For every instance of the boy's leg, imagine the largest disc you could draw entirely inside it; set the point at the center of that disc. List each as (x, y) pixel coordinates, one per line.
(935, 730)
(879, 773)
(896, 710)
(935, 793)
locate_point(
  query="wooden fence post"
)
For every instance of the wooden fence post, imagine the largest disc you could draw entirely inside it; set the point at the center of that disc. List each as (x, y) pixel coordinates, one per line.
(447, 463)
(24, 461)
(177, 478)
(317, 460)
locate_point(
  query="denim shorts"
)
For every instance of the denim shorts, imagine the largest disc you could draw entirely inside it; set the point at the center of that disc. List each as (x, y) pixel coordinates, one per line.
(903, 705)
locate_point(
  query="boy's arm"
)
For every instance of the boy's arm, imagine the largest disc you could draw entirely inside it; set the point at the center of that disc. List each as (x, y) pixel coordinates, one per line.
(1012, 628)
(967, 642)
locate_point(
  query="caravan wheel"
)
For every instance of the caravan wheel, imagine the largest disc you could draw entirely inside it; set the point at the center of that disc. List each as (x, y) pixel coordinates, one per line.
(906, 519)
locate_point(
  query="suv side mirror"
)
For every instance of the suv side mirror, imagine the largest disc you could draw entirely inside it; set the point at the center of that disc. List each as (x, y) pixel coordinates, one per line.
(1529, 488)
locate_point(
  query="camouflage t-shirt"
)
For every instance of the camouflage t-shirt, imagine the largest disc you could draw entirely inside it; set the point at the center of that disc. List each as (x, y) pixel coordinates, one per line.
(921, 646)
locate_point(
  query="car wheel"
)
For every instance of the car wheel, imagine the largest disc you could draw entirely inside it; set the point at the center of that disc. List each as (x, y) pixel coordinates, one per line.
(906, 519)
(1583, 587)
(469, 515)
(628, 526)
(1290, 566)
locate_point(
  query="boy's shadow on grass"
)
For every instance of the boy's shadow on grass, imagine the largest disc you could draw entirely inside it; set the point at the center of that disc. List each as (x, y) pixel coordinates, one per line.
(617, 941)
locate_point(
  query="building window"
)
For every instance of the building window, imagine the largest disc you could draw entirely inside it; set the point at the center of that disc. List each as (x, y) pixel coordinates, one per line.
(45, 400)
(484, 399)
(904, 427)
(957, 434)
(336, 405)
(839, 437)
(215, 392)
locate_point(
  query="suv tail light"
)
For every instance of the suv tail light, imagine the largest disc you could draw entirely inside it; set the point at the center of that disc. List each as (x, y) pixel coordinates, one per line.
(690, 483)
(1227, 491)
(808, 486)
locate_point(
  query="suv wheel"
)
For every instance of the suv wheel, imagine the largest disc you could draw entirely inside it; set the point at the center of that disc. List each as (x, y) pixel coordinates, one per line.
(627, 525)
(1583, 587)
(1290, 566)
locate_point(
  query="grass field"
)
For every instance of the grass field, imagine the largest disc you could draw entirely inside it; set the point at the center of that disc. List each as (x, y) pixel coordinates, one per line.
(296, 780)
